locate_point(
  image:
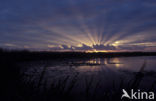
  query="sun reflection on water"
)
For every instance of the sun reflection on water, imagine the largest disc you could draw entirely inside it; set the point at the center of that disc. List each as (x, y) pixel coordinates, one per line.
(99, 63)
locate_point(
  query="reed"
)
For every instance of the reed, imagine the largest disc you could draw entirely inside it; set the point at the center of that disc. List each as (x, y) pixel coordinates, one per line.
(19, 89)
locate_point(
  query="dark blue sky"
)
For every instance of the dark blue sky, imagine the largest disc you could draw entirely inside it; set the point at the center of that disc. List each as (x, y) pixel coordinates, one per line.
(78, 24)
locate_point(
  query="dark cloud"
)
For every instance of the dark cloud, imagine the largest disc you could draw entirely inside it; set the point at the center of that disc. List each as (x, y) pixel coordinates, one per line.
(102, 47)
(83, 47)
(133, 48)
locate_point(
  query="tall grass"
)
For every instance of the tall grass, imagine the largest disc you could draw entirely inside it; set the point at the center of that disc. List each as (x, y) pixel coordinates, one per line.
(19, 89)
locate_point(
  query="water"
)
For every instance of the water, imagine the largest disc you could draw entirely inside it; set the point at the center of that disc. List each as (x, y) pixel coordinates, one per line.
(102, 74)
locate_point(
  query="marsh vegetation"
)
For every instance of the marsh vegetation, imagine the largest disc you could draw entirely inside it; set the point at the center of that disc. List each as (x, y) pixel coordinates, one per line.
(72, 77)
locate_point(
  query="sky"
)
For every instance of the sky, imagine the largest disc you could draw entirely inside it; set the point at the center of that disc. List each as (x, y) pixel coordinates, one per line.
(78, 25)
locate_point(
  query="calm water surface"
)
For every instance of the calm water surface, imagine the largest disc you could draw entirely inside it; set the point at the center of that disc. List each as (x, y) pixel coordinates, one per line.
(106, 71)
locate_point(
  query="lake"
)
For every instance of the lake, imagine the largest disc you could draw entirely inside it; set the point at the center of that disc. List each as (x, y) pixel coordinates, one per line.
(92, 76)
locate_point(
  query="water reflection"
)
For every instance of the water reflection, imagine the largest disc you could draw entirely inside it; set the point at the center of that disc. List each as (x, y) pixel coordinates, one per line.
(112, 63)
(101, 68)
(94, 65)
(83, 75)
(124, 63)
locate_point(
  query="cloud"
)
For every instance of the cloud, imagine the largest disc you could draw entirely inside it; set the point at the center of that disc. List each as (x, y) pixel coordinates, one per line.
(83, 47)
(102, 47)
(132, 47)
(9, 45)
